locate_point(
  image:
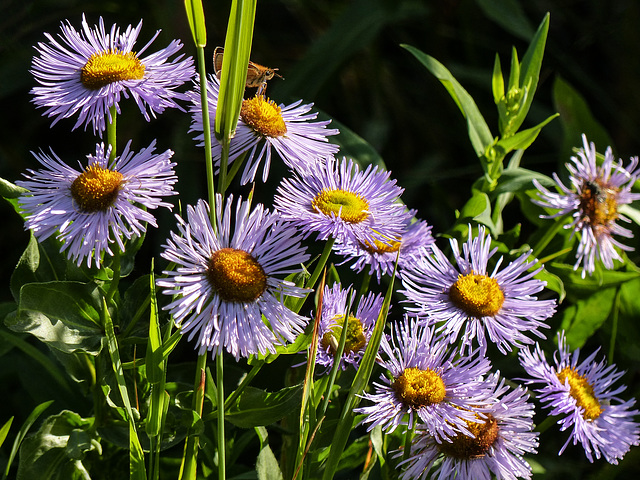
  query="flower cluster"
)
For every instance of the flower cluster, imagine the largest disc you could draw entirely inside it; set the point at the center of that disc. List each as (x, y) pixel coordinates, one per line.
(236, 273)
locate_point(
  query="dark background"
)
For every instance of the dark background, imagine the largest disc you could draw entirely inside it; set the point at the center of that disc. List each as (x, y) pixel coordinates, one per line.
(361, 77)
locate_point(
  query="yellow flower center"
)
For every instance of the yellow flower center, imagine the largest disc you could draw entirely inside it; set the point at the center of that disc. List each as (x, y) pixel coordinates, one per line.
(582, 391)
(349, 206)
(109, 67)
(96, 188)
(381, 247)
(464, 447)
(599, 203)
(236, 276)
(419, 388)
(263, 116)
(477, 295)
(355, 340)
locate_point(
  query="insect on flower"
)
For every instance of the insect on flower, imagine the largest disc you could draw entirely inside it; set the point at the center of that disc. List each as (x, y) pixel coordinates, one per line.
(257, 75)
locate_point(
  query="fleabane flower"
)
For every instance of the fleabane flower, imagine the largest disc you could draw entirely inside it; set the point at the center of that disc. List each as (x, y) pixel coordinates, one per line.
(90, 208)
(380, 257)
(227, 281)
(583, 395)
(265, 126)
(467, 298)
(338, 200)
(593, 200)
(359, 325)
(495, 449)
(429, 385)
(88, 71)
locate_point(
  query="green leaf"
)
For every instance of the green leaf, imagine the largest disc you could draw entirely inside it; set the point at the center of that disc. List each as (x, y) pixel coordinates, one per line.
(600, 280)
(554, 283)
(33, 416)
(235, 62)
(255, 407)
(54, 452)
(497, 81)
(64, 315)
(136, 455)
(479, 132)
(576, 118)
(520, 180)
(530, 70)
(267, 467)
(509, 15)
(4, 431)
(524, 138)
(195, 16)
(630, 212)
(581, 320)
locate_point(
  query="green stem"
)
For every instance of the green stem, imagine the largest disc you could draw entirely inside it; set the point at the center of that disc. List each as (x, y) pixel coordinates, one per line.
(549, 234)
(189, 460)
(206, 128)
(408, 439)
(546, 423)
(220, 403)
(224, 162)
(111, 133)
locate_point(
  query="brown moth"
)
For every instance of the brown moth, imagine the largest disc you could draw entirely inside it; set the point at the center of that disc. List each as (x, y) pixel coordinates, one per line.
(257, 75)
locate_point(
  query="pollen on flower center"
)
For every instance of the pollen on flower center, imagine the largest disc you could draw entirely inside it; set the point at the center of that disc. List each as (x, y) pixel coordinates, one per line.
(381, 247)
(477, 295)
(349, 206)
(582, 391)
(264, 116)
(109, 67)
(418, 388)
(355, 340)
(464, 447)
(598, 203)
(96, 188)
(236, 276)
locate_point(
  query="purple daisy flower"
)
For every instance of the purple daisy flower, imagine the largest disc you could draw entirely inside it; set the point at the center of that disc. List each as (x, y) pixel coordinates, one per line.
(380, 257)
(264, 126)
(93, 207)
(594, 201)
(227, 278)
(582, 394)
(444, 390)
(466, 298)
(359, 325)
(495, 449)
(339, 200)
(87, 72)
